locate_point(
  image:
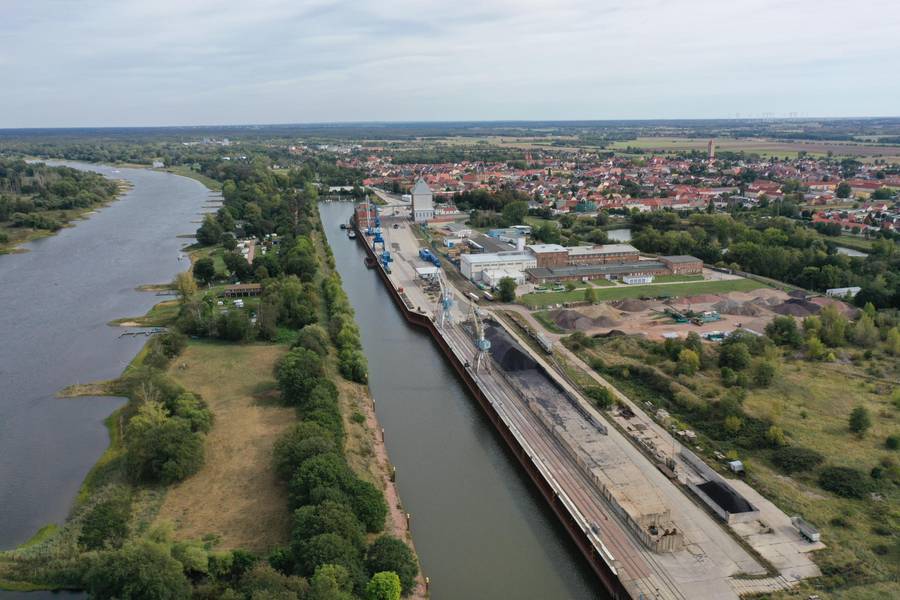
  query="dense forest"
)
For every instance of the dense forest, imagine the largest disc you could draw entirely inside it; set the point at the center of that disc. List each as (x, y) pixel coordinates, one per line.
(37, 196)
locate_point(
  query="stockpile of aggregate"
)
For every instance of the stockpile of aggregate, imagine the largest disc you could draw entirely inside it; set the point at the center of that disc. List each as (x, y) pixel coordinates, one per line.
(632, 305)
(506, 352)
(797, 308)
(577, 321)
(734, 307)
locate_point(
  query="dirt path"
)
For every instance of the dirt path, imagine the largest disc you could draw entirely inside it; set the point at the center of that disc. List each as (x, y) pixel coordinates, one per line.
(236, 494)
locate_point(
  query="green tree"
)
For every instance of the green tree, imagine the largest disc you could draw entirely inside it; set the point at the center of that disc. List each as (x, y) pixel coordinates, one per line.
(390, 554)
(815, 349)
(298, 373)
(775, 436)
(864, 332)
(860, 420)
(326, 548)
(892, 343)
(601, 396)
(368, 504)
(688, 362)
(783, 331)
(204, 270)
(210, 232)
(590, 295)
(106, 524)
(733, 424)
(234, 325)
(383, 586)
(141, 570)
(764, 373)
(160, 448)
(843, 190)
(735, 356)
(263, 581)
(834, 327)
(302, 441)
(514, 212)
(185, 285)
(315, 338)
(844, 481)
(326, 517)
(791, 459)
(507, 289)
(330, 582)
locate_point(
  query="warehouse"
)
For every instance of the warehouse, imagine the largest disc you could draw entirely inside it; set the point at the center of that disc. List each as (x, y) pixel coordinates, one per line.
(641, 268)
(472, 265)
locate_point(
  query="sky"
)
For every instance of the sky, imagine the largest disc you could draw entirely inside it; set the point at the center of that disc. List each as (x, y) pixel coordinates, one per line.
(66, 63)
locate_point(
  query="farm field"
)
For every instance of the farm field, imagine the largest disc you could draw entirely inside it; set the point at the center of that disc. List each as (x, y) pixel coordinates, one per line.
(759, 146)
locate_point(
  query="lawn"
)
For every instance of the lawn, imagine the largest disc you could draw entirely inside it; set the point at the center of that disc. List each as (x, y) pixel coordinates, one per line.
(621, 292)
(186, 171)
(676, 278)
(236, 494)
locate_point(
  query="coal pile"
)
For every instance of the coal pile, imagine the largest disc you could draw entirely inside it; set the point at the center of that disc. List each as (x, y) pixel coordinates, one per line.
(506, 352)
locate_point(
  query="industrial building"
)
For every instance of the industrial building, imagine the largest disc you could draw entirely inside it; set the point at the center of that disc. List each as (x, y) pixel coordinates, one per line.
(422, 202)
(472, 265)
(639, 271)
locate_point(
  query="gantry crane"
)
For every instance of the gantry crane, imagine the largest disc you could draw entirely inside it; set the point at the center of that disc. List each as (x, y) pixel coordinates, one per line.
(482, 344)
(445, 302)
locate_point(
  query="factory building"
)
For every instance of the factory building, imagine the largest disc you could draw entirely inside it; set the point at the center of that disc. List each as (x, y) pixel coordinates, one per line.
(639, 271)
(602, 255)
(472, 265)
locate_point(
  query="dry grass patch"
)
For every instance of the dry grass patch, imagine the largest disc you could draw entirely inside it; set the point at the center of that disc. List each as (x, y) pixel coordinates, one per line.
(236, 495)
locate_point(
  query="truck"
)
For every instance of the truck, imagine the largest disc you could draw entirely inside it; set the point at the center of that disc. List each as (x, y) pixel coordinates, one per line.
(428, 256)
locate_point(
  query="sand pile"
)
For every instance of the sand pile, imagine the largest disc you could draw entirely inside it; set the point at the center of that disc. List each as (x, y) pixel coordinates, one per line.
(632, 305)
(734, 307)
(845, 309)
(797, 308)
(574, 320)
(703, 299)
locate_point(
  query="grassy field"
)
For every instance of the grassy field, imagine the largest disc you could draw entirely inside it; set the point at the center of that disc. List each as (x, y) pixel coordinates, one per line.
(236, 495)
(622, 292)
(186, 171)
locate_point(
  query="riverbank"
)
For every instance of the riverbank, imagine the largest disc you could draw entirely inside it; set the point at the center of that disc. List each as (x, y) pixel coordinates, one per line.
(17, 236)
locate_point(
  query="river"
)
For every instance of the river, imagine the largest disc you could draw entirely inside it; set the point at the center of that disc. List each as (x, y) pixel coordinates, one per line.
(480, 529)
(56, 302)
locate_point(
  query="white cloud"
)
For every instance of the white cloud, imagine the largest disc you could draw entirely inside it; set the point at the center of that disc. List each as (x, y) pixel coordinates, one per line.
(106, 62)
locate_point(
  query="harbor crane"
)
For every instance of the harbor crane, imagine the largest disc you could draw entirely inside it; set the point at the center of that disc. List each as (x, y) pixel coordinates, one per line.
(446, 301)
(482, 344)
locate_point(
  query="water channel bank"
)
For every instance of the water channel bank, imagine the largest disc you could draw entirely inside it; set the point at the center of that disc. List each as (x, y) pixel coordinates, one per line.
(57, 300)
(480, 529)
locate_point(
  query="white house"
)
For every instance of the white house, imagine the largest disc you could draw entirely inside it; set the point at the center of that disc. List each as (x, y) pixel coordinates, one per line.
(472, 265)
(422, 202)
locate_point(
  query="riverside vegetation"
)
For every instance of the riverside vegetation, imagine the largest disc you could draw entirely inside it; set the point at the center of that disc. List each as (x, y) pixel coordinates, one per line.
(114, 547)
(37, 200)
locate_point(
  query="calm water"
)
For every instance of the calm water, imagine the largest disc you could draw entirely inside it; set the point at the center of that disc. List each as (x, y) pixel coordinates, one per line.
(480, 529)
(619, 235)
(850, 251)
(56, 302)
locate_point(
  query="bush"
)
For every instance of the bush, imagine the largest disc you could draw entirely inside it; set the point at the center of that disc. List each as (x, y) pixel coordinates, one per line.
(189, 407)
(327, 549)
(234, 325)
(298, 373)
(601, 396)
(368, 504)
(315, 338)
(106, 525)
(792, 459)
(303, 441)
(327, 517)
(139, 571)
(324, 470)
(384, 586)
(844, 481)
(892, 442)
(390, 554)
(763, 373)
(262, 581)
(735, 356)
(860, 421)
(160, 448)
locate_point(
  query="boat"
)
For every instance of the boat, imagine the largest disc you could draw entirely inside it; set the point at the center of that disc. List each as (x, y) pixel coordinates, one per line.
(351, 234)
(343, 226)
(370, 262)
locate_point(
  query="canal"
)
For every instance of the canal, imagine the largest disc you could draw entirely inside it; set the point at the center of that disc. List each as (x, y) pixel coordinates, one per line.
(480, 529)
(56, 300)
